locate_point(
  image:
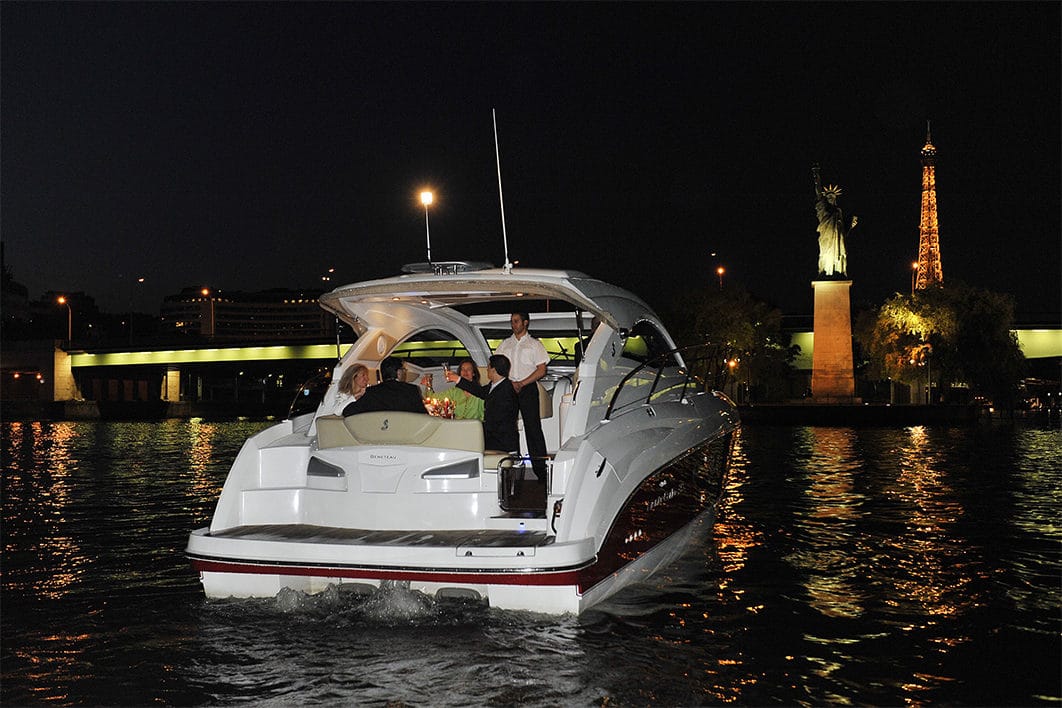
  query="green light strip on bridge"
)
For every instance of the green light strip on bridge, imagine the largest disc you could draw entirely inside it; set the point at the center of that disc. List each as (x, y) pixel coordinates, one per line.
(209, 355)
(439, 349)
(1035, 343)
(1040, 343)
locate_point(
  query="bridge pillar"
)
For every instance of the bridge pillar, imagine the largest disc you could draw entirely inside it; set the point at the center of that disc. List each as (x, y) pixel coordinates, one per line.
(171, 385)
(64, 385)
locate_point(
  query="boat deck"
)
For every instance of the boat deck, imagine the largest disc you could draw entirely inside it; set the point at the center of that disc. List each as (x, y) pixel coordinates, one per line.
(305, 533)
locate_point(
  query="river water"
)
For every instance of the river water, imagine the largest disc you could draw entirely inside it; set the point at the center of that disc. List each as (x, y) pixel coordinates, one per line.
(846, 566)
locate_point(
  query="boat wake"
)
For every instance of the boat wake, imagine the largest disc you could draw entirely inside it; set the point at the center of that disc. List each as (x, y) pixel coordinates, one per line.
(392, 602)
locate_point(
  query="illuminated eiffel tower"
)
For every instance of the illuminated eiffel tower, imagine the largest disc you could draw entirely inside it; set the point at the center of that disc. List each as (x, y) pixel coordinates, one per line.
(930, 271)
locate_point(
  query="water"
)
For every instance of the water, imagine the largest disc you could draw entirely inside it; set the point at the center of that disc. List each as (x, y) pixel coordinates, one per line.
(847, 566)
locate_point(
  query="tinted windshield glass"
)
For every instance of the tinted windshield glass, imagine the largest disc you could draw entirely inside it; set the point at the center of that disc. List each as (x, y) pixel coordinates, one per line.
(646, 342)
(431, 347)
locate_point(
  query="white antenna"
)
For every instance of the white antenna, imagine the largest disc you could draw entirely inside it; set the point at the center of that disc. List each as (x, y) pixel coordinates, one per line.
(508, 267)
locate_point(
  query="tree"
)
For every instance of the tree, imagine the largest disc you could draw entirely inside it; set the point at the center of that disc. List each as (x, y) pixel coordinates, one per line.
(958, 333)
(739, 334)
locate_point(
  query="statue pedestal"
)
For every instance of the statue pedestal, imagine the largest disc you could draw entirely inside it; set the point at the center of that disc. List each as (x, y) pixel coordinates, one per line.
(832, 377)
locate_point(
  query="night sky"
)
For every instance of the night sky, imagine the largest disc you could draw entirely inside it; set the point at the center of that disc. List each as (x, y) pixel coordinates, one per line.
(251, 146)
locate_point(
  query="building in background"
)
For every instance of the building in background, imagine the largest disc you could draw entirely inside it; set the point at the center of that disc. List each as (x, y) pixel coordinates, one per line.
(232, 315)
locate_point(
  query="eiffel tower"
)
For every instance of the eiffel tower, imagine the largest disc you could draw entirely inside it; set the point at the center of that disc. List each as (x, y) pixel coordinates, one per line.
(930, 271)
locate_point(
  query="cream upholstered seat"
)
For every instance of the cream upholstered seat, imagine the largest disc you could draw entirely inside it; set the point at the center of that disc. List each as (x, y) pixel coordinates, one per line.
(545, 402)
(399, 428)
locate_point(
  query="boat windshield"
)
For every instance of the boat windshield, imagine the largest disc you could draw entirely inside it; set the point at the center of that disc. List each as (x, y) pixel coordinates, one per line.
(672, 375)
(431, 347)
(648, 345)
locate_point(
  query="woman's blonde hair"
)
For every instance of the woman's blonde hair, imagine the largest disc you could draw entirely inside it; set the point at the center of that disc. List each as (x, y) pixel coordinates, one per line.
(346, 381)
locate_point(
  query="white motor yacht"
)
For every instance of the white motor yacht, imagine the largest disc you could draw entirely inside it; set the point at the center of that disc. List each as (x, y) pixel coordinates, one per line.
(638, 451)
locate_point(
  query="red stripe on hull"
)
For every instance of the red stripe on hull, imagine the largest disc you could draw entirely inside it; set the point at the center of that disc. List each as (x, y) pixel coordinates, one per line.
(567, 577)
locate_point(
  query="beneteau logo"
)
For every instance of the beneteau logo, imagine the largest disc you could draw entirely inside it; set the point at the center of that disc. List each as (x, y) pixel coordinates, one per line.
(385, 424)
(382, 457)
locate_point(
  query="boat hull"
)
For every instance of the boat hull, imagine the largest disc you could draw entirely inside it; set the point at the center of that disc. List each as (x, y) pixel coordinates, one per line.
(524, 570)
(557, 592)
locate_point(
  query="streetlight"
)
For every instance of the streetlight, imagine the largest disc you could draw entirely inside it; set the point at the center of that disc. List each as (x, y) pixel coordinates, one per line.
(426, 198)
(69, 317)
(132, 291)
(914, 272)
(206, 293)
(929, 374)
(719, 271)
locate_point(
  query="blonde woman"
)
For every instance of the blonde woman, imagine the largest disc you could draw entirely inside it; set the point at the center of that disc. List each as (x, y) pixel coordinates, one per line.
(352, 385)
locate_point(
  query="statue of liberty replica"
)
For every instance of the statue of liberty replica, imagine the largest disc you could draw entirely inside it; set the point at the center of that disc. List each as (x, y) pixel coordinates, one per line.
(832, 374)
(833, 257)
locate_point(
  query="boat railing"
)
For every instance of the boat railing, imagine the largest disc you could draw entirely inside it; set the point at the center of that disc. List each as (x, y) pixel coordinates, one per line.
(679, 365)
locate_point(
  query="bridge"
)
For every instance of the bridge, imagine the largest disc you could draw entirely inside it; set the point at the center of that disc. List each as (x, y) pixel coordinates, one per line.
(266, 374)
(259, 377)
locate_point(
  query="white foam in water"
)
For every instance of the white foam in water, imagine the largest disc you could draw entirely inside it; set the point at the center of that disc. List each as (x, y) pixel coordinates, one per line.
(395, 601)
(289, 600)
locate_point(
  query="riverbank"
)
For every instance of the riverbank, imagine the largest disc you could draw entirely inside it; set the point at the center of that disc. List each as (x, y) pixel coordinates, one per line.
(137, 410)
(884, 415)
(759, 414)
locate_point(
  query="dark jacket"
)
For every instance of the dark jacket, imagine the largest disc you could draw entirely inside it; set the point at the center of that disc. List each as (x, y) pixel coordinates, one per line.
(500, 409)
(388, 396)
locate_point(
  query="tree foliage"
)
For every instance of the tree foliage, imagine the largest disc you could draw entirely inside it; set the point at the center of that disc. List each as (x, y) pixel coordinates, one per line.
(958, 333)
(737, 331)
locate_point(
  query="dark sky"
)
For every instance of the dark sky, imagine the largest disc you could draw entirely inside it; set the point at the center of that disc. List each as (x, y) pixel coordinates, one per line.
(248, 146)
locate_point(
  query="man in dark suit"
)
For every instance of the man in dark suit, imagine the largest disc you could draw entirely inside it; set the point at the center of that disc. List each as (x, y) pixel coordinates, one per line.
(500, 405)
(390, 394)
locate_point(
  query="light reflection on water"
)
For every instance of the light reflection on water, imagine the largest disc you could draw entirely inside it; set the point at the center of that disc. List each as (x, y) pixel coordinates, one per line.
(846, 565)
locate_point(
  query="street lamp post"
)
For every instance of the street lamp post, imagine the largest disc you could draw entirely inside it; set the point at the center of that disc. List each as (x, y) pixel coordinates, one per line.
(132, 290)
(426, 198)
(719, 271)
(914, 272)
(69, 317)
(207, 294)
(929, 375)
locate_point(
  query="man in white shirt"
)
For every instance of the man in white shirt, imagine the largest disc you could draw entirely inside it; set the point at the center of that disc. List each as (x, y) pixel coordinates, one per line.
(528, 360)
